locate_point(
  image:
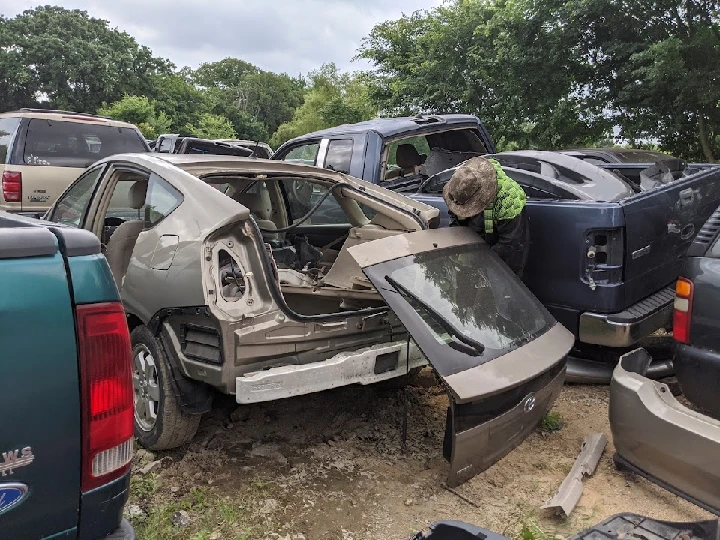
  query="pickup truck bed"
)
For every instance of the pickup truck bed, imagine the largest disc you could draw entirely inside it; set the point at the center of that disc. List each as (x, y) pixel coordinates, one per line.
(48, 276)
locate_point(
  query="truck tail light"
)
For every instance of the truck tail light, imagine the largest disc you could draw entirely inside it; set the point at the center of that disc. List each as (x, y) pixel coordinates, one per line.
(12, 186)
(683, 310)
(107, 393)
(603, 257)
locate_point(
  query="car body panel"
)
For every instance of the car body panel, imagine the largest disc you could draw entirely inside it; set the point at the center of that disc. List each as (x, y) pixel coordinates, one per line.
(658, 437)
(498, 393)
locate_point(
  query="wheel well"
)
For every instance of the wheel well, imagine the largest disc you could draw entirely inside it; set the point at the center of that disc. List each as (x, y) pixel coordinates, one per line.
(133, 321)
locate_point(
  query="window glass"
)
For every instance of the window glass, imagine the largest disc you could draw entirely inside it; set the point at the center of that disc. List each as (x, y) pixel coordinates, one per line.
(161, 200)
(166, 145)
(306, 153)
(71, 207)
(339, 155)
(8, 127)
(74, 144)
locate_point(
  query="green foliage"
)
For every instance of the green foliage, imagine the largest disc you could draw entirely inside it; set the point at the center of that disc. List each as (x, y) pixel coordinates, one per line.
(139, 110)
(332, 99)
(72, 60)
(211, 126)
(552, 421)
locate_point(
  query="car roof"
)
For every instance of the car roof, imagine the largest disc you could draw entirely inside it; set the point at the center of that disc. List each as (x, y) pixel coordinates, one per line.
(392, 127)
(66, 116)
(625, 155)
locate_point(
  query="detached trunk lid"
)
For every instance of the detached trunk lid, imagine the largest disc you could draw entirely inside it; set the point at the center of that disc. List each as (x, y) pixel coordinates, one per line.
(660, 227)
(490, 340)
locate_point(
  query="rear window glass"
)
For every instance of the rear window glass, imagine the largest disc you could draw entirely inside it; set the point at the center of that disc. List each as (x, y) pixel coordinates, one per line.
(305, 154)
(339, 155)
(8, 127)
(73, 144)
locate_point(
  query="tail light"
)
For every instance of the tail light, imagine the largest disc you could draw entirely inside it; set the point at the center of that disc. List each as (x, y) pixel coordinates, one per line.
(683, 310)
(604, 255)
(12, 186)
(107, 393)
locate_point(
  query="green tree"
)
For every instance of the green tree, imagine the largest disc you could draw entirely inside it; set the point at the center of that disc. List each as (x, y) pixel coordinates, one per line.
(71, 60)
(138, 110)
(175, 95)
(333, 98)
(211, 126)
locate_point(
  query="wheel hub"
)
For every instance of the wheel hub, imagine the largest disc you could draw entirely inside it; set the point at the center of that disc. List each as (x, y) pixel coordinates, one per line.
(146, 388)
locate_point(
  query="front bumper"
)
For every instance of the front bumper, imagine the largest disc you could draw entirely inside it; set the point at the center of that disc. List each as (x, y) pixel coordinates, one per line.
(659, 438)
(630, 326)
(364, 366)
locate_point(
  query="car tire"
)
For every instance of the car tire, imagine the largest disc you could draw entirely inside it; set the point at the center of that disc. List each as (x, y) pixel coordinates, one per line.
(160, 424)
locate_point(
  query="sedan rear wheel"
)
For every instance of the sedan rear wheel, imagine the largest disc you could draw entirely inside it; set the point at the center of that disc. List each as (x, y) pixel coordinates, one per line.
(145, 385)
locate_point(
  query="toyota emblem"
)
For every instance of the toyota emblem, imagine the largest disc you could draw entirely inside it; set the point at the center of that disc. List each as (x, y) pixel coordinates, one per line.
(529, 403)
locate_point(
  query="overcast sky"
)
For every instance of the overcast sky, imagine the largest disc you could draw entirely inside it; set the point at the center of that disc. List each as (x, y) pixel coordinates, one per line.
(292, 36)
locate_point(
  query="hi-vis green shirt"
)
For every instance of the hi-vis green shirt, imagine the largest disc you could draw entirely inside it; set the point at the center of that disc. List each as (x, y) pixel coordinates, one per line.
(503, 225)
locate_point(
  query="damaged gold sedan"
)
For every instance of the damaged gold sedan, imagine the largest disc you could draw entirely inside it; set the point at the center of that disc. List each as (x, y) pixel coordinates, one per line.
(267, 280)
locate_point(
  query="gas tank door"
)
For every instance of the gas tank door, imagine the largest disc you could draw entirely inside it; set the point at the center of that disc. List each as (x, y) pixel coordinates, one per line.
(164, 252)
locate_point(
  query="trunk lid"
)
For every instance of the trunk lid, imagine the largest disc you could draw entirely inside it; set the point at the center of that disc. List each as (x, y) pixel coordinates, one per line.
(489, 339)
(660, 226)
(39, 389)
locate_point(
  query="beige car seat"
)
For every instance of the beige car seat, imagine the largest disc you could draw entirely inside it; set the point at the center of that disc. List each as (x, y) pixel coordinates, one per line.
(120, 247)
(261, 209)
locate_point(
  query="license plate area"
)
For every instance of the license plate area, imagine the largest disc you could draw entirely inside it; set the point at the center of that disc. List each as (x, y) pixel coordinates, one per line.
(386, 362)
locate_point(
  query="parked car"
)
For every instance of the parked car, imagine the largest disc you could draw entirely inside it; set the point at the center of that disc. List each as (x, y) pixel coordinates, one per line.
(661, 439)
(231, 285)
(601, 156)
(175, 144)
(66, 392)
(43, 151)
(607, 243)
(697, 320)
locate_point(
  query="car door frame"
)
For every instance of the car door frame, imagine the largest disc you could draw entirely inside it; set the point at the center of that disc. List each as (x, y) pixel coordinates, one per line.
(81, 225)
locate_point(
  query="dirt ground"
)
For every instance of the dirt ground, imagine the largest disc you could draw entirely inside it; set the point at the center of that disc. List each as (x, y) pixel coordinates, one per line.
(330, 466)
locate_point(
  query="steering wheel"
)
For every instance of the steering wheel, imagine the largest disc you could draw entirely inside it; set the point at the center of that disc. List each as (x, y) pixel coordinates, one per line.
(302, 191)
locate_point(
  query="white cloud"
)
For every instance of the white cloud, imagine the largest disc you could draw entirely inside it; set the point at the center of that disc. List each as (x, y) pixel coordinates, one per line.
(292, 36)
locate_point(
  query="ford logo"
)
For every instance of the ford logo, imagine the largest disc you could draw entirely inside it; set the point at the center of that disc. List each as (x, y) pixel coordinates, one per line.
(12, 495)
(529, 403)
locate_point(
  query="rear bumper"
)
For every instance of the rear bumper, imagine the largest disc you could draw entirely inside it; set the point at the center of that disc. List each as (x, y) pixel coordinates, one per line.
(659, 438)
(630, 326)
(364, 366)
(124, 532)
(698, 373)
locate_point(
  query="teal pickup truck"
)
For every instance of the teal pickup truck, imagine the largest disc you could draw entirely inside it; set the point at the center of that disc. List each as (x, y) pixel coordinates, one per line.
(66, 399)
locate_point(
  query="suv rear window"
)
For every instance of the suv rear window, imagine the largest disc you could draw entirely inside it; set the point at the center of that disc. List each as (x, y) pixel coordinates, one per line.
(74, 144)
(8, 127)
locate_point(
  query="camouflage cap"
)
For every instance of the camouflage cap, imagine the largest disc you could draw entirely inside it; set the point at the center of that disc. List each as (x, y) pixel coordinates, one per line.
(472, 188)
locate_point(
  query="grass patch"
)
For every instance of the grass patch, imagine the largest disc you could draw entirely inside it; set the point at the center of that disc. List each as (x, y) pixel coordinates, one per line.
(532, 531)
(552, 421)
(143, 487)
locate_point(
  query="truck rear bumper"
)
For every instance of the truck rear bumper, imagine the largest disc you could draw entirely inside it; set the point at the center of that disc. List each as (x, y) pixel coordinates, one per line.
(364, 366)
(659, 438)
(630, 326)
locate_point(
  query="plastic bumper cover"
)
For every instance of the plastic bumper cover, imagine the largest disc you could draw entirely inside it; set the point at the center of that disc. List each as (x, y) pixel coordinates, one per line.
(659, 438)
(630, 326)
(365, 366)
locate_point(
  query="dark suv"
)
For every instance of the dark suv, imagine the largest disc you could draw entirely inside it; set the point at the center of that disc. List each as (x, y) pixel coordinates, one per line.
(696, 324)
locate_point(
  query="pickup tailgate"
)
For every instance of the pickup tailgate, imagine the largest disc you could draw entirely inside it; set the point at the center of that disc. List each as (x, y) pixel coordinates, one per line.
(39, 387)
(660, 226)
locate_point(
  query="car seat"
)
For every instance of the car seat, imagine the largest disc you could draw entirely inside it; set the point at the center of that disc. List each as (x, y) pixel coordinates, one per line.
(261, 209)
(408, 159)
(120, 247)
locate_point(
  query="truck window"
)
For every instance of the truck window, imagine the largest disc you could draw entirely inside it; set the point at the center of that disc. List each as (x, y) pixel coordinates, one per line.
(339, 155)
(76, 144)
(421, 148)
(8, 127)
(72, 206)
(305, 153)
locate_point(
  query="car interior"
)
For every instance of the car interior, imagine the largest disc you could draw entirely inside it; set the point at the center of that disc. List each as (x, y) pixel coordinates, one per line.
(307, 227)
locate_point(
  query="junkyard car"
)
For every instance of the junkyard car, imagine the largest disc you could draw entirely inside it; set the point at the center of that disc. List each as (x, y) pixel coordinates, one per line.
(696, 325)
(607, 242)
(175, 144)
(659, 438)
(230, 285)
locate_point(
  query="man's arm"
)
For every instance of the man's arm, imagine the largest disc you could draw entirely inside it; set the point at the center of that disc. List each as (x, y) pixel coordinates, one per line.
(513, 242)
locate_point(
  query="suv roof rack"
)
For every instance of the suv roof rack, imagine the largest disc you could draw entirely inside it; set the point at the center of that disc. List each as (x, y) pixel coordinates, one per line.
(58, 111)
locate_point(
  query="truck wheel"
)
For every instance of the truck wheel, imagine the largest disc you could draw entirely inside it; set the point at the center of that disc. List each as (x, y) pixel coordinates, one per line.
(159, 422)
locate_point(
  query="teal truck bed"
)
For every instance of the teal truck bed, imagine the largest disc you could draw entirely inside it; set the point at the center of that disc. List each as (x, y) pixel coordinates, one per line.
(65, 387)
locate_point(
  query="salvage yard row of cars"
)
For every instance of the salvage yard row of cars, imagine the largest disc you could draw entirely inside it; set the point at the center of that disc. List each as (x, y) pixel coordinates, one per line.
(330, 264)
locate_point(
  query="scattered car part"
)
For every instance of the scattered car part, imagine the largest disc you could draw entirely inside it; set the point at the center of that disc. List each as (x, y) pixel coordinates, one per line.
(571, 489)
(616, 527)
(499, 352)
(661, 439)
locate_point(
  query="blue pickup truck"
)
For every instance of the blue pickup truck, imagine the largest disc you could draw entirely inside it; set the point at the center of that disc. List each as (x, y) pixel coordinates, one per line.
(607, 241)
(66, 395)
